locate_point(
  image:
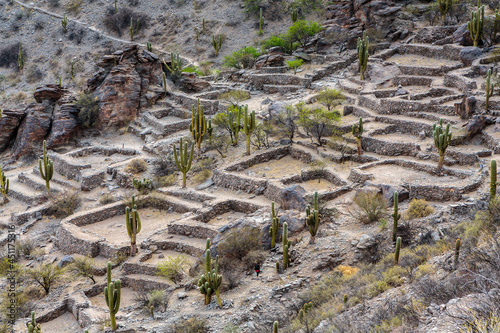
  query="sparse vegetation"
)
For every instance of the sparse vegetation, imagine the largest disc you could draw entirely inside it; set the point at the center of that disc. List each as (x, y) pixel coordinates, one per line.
(193, 325)
(418, 208)
(83, 267)
(174, 268)
(235, 97)
(64, 204)
(46, 275)
(119, 21)
(89, 110)
(370, 206)
(243, 58)
(294, 64)
(136, 166)
(73, 6)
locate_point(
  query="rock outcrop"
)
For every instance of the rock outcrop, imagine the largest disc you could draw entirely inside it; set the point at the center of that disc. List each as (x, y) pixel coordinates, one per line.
(9, 123)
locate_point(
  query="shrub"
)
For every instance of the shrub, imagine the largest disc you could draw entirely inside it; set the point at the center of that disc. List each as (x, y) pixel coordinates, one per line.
(243, 58)
(53, 3)
(371, 205)
(193, 325)
(166, 181)
(45, 275)
(252, 6)
(294, 64)
(158, 299)
(237, 243)
(418, 208)
(24, 247)
(330, 97)
(173, 268)
(106, 198)
(64, 204)
(9, 53)
(302, 31)
(34, 74)
(73, 6)
(137, 165)
(83, 267)
(316, 121)
(235, 97)
(283, 41)
(254, 257)
(88, 115)
(22, 303)
(76, 34)
(192, 69)
(119, 21)
(201, 176)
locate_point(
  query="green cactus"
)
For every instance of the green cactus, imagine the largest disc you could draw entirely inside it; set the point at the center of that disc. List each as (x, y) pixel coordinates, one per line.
(444, 7)
(277, 267)
(363, 55)
(116, 7)
(441, 140)
(64, 22)
(248, 126)
(46, 167)
(398, 248)
(149, 47)
(175, 67)
(294, 13)
(476, 23)
(203, 26)
(210, 282)
(72, 70)
(357, 132)
(164, 82)
(33, 327)
(490, 88)
(131, 29)
(286, 246)
(20, 59)
(458, 242)
(60, 82)
(217, 43)
(345, 300)
(275, 327)
(313, 219)
(305, 309)
(112, 295)
(152, 311)
(234, 123)
(197, 32)
(275, 225)
(493, 179)
(210, 131)
(261, 22)
(183, 160)
(144, 185)
(395, 216)
(198, 126)
(4, 185)
(133, 222)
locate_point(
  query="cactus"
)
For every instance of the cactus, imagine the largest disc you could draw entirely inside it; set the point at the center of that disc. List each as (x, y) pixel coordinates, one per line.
(112, 295)
(313, 219)
(217, 44)
(131, 29)
(363, 55)
(20, 59)
(277, 266)
(261, 22)
(164, 82)
(275, 224)
(307, 307)
(286, 246)
(248, 126)
(345, 300)
(152, 311)
(33, 327)
(46, 167)
(357, 132)
(86, 331)
(143, 185)
(490, 88)
(210, 130)
(198, 126)
(60, 82)
(116, 7)
(183, 160)
(197, 32)
(149, 47)
(203, 26)
(458, 242)
(210, 282)
(476, 23)
(444, 7)
(175, 67)
(72, 70)
(396, 253)
(294, 13)
(275, 327)
(4, 186)
(64, 22)
(441, 140)
(234, 123)
(396, 216)
(133, 222)
(493, 180)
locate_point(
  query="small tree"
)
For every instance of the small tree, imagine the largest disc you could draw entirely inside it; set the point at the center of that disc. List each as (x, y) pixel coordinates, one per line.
(316, 121)
(287, 120)
(294, 64)
(83, 267)
(45, 275)
(330, 98)
(302, 31)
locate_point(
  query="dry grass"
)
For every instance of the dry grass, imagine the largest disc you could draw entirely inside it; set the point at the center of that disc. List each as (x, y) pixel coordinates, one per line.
(136, 166)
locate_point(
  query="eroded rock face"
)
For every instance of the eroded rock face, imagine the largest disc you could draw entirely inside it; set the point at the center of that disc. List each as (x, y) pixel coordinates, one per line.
(292, 197)
(64, 124)
(190, 82)
(9, 123)
(33, 130)
(50, 92)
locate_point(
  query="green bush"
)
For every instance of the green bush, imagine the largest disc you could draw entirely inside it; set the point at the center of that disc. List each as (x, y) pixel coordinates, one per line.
(418, 208)
(330, 97)
(235, 97)
(158, 299)
(45, 275)
(89, 110)
(294, 64)
(302, 31)
(282, 41)
(316, 121)
(173, 268)
(83, 267)
(243, 58)
(192, 69)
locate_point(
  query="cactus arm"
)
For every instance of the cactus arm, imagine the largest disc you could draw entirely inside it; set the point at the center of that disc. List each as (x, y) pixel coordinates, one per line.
(128, 222)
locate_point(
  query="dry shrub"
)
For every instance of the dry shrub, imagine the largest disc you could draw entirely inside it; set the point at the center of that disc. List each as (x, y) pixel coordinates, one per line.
(106, 198)
(119, 21)
(202, 176)
(193, 325)
(173, 268)
(63, 205)
(370, 206)
(418, 208)
(73, 6)
(137, 165)
(166, 181)
(238, 242)
(9, 54)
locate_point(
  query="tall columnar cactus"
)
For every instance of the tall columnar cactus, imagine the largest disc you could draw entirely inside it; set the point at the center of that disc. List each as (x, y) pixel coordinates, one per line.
(476, 23)
(217, 44)
(164, 76)
(395, 216)
(248, 126)
(46, 167)
(357, 132)
(112, 295)
(176, 64)
(210, 282)
(261, 22)
(493, 180)
(313, 219)
(210, 131)
(275, 225)
(64, 22)
(198, 126)
(33, 327)
(203, 26)
(294, 13)
(275, 327)
(133, 222)
(305, 309)
(116, 7)
(4, 185)
(442, 139)
(149, 47)
(131, 29)
(20, 59)
(286, 246)
(444, 7)
(363, 54)
(398, 248)
(234, 123)
(490, 88)
(184, 159)
(458, 242)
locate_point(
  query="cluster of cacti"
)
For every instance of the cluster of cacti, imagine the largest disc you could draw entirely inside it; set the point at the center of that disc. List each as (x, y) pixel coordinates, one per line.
(395, 216)
(248, 126)
(210, 131)
(398, 248)
(493, 179)
(444, 7)
(33, 327)
(149, 47)
(313, 219)
(184, 159)
(294, 13)
(363, 55)
(112, 295)
(133, 222)
(476, 23)
(275, 327)
(286, 246)
(142, 185)
(442, 139)
(490, 88)
(64, 22)
(20, 59)
(46, 167)
(458, 242)
(176, 64)
(210, 282)
(4, 185)
(261, 22)
(306, 308)
(357, 132)
(275, 225)
(198, 126)
(217, 43)
(234, 123)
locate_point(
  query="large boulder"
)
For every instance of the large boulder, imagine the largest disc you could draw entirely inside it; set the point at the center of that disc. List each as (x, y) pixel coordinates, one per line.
(292, 198)
(9, 123)
(273, 58)
(64, 124)
(469, 54)
(33, 130)
(190, 82)
(433, 34)
(50, 92)
(477, 124)
(462, 36)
